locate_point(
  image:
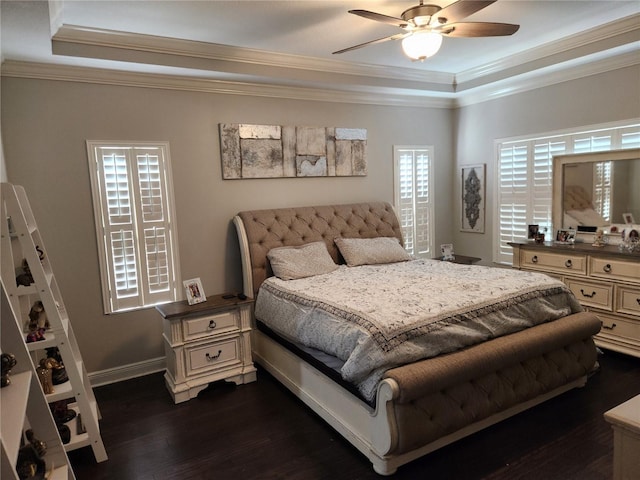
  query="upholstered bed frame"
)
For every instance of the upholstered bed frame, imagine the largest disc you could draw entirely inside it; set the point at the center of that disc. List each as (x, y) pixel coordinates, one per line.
(425, 405)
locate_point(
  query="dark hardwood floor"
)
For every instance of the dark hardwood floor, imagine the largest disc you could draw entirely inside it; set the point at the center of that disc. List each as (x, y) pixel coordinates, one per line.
(261, 431)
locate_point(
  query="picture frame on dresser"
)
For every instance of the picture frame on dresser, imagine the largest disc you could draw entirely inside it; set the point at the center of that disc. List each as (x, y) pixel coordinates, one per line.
(565, 236)
(628, 218)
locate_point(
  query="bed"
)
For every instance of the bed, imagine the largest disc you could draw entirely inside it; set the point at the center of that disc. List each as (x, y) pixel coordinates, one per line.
(415, 407)
(579, 209)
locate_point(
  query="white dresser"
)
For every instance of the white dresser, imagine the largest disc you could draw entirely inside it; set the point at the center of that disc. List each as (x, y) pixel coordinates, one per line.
(604, 280)
(206, 342)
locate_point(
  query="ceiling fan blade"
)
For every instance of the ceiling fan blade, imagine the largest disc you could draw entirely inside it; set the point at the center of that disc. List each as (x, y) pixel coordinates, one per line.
(461, 9)
(378, 17)
(478, 29)
(397, 36)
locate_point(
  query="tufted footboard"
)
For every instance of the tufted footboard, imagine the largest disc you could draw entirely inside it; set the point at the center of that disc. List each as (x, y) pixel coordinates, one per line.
(439, 396)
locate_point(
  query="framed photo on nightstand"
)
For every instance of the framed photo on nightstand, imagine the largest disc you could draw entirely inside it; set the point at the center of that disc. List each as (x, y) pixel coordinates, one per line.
(447, 251)
(194, 290)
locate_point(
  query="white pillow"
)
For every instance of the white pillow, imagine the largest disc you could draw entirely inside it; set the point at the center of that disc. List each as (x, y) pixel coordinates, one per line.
(291, 263)
(371, 251)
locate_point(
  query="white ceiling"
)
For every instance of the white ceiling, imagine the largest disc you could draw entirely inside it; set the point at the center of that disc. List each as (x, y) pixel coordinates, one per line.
(289, 43)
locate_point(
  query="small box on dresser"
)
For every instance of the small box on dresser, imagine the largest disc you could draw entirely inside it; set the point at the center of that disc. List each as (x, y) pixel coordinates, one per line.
(207, 342)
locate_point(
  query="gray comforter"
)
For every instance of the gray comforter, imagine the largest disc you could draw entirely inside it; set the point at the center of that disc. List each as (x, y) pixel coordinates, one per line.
(376, 317)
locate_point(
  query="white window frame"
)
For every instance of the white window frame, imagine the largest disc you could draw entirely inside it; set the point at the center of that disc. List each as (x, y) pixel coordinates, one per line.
(526, 197)
(146, 214)
(415, 212)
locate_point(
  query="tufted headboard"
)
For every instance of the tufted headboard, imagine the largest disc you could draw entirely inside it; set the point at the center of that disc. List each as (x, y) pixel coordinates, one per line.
(261, 230)
(576, 198)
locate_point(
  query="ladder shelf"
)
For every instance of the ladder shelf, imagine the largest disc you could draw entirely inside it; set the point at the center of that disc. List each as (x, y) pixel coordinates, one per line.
(22, 245)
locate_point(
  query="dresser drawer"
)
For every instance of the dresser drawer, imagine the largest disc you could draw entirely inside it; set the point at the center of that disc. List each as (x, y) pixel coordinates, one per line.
(592, 294)
(211, 356)
(568, 263)
(198, 327)
(628, 300)
(628, 330)
(612, 269)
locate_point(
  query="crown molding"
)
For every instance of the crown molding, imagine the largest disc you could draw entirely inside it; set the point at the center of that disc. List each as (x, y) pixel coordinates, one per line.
(587, 66)
(80, 41)
(67, 73)
(613, 34)
(72, 40)
(584, 67)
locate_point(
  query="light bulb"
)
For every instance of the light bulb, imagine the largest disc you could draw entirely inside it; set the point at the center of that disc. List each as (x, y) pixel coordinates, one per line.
(422, 44)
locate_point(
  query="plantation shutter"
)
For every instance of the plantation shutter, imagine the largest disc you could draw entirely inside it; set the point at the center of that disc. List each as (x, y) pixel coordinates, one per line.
(133, 225)
(525, 171)
(602, 189)
(119, 227)
(514, 196)
(413, 198)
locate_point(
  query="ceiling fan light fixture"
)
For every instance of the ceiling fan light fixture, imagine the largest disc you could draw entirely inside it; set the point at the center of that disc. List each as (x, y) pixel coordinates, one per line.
(422, 45)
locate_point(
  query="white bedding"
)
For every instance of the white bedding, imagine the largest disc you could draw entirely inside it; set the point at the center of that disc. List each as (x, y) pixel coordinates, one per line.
(375, 317)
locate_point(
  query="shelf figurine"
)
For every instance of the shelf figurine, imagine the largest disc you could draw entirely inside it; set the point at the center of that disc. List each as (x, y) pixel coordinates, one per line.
(59, 373)
(25, 278)
(45, 375)
(39, 316)
(8, 362)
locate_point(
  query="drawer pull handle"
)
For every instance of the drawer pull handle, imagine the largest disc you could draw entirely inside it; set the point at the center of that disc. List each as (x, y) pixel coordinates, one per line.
(593, 294)
(213, 357)
(568, 263)
(613, 325)
(534, 259)
(607, 268)
(638, 300)
(212, 324)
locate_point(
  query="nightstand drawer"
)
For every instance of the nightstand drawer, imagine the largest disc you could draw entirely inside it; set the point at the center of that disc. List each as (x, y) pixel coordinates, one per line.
(559, 262)
(615, 269)
(198, 327)
(212, 355)
(592, 294)
(628, 300)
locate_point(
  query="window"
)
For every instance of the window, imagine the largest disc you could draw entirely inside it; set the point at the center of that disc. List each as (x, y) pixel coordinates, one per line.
(135, 223)
(525, 171)
(413, 197)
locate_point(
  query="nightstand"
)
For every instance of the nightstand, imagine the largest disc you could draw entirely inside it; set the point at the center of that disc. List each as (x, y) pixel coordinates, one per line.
(462, 259)
(206, 342)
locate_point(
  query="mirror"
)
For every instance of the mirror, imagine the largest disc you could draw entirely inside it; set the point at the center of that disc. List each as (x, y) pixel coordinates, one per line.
(596, 189)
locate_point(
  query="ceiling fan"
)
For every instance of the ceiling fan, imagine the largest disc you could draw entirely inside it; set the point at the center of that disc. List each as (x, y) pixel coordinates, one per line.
(425, 25)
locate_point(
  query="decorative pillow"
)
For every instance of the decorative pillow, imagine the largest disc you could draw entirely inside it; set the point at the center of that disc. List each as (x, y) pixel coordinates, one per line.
(290, 263)
(371, 251)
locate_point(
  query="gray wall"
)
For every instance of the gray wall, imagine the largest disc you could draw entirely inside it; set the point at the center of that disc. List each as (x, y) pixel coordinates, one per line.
(45, 125)
(602, 98)
(44, 128)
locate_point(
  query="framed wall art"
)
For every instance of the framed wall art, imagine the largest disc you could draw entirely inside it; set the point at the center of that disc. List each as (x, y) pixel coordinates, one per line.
(473, 198)
(285, 151)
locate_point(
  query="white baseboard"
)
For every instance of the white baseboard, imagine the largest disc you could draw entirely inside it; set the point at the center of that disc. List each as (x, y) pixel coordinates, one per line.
(127, 372)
